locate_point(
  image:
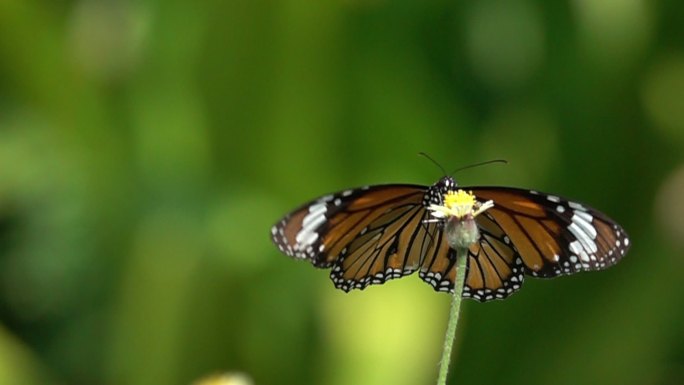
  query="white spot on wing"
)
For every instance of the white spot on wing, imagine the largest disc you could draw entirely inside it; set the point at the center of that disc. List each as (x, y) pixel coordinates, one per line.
(575, 247)
(306, 238)
(315, 210)
(576, 206)
(316, 217)
(584, 215)
(311, 223)
(584, 257)
(587, 243)
(583, 220)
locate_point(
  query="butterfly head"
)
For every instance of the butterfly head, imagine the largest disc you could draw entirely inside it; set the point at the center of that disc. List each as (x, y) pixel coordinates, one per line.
(436, 192)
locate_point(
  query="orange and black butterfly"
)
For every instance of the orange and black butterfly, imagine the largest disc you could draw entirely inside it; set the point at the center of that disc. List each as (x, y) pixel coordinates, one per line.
(376, 233)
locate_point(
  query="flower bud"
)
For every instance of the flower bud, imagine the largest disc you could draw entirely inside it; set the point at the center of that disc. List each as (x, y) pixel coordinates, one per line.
(461, 233)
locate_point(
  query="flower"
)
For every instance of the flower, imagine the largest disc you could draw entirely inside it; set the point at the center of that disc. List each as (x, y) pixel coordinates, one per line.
(460, 204)
(460, 209)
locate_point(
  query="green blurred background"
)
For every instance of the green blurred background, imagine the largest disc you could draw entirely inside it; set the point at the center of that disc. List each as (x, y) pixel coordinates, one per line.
(146, 147)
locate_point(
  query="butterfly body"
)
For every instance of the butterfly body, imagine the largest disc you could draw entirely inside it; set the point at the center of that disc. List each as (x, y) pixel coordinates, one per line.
(373, 234)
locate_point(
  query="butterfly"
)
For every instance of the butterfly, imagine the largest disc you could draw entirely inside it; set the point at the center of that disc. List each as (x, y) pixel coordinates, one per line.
(373, 234)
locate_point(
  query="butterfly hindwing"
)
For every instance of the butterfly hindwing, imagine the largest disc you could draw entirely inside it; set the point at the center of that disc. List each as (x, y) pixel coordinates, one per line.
(493, 271)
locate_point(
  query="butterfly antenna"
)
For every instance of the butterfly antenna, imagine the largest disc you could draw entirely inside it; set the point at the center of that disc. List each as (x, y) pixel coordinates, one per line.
(434, 161)
(479, 164)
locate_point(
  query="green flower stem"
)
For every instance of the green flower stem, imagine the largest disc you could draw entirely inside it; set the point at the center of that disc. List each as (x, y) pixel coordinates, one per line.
(461, 258)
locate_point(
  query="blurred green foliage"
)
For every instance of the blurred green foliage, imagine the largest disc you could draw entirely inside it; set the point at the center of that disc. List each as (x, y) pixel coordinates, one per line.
(147, 147)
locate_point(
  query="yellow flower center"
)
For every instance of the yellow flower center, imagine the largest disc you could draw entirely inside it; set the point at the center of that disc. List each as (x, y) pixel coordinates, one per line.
(459, 198)
(459, 204)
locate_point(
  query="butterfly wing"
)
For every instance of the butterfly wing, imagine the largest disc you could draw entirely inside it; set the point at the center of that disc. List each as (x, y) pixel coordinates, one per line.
(553, 235)
(367, 235)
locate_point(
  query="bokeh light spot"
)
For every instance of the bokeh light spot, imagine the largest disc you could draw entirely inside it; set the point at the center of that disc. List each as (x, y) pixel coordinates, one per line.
(527, 137)
(107, 37)
(614, 31)
(663, 96)
(238, 228)
(670, 206)
(505, 41)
